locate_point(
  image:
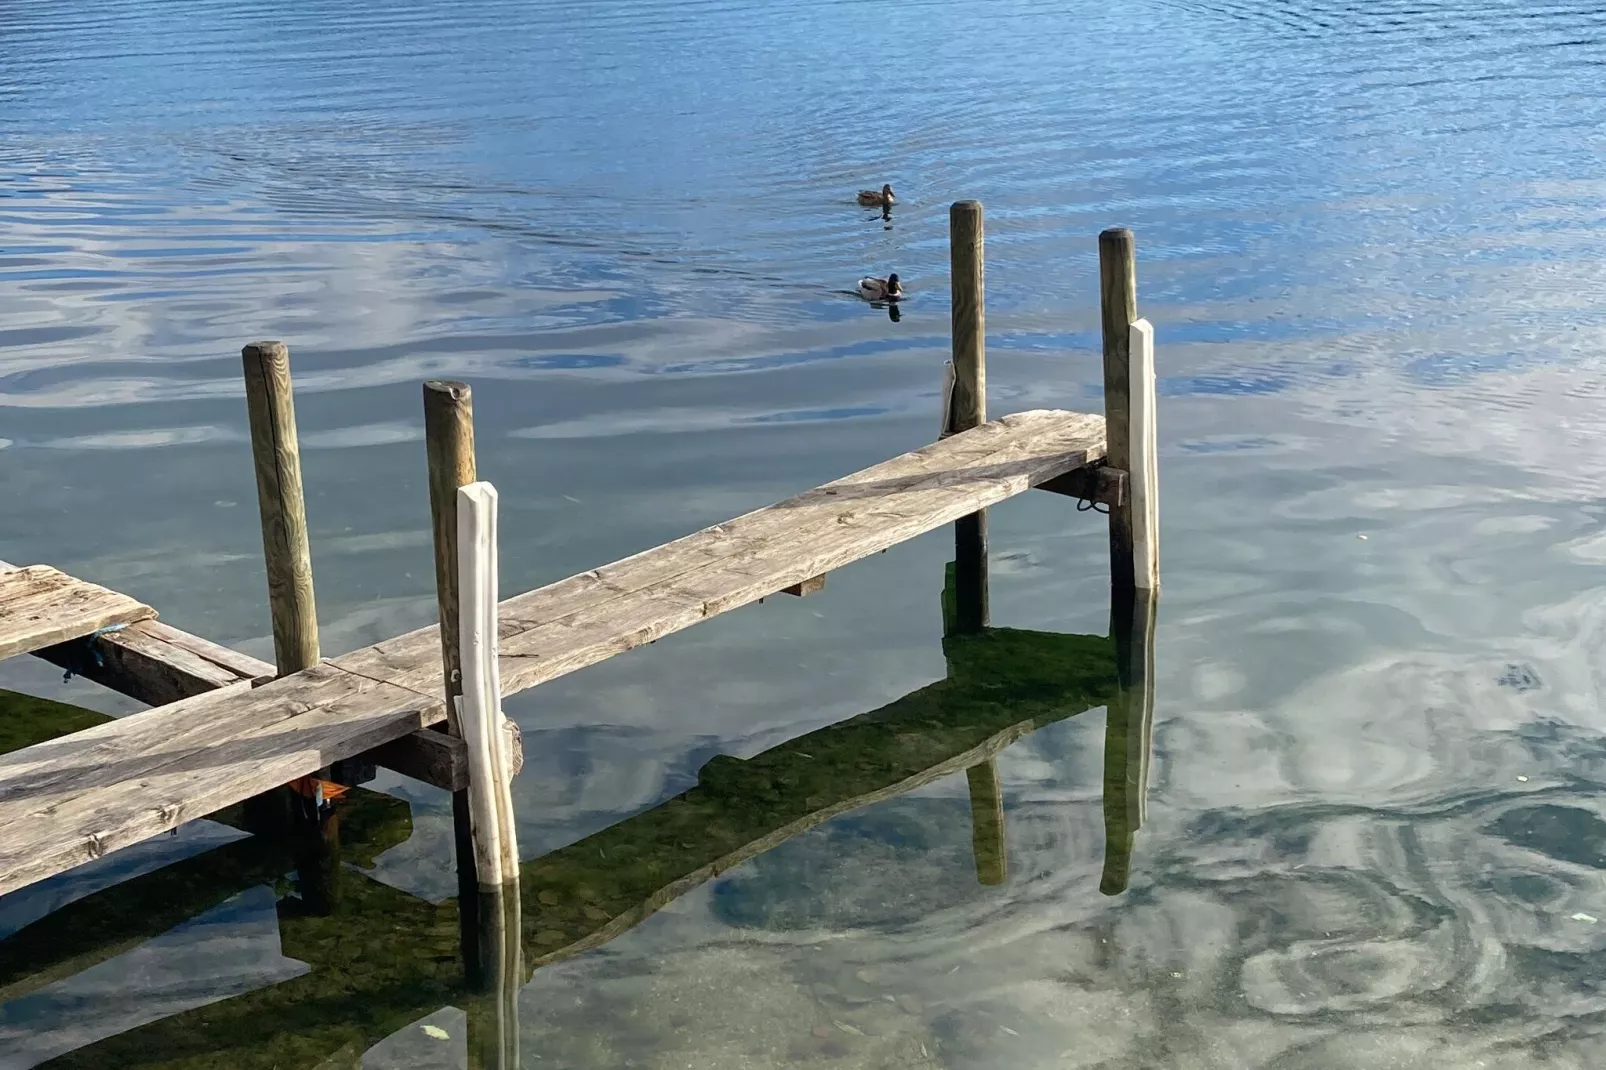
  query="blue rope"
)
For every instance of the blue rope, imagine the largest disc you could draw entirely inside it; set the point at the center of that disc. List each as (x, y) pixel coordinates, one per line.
(93, 649)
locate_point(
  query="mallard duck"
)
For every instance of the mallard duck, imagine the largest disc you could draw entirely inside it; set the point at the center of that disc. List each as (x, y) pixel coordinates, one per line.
(883, 199)
(886, 289)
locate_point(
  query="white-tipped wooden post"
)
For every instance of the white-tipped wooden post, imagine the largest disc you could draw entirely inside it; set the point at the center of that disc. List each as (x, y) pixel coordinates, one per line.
(496, 853)
(1144, 479)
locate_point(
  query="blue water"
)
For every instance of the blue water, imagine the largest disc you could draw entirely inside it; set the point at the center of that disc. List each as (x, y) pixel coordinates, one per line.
(1371, 240)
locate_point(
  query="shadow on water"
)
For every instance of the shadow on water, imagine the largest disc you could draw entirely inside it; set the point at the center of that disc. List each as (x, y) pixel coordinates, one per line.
(382, 960)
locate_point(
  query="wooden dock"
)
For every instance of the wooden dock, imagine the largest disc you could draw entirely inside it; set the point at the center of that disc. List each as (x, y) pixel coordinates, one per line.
(225, 729)
(1001, 685)
(77, 798)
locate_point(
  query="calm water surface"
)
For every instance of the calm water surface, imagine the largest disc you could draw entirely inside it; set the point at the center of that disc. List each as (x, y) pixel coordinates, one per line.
(1372, 239)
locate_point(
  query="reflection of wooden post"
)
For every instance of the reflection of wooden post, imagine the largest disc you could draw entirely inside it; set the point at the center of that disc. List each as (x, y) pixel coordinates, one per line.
(967, 406)
(449, 445)
(1128, 722)
(494, 1028)
(987, 823)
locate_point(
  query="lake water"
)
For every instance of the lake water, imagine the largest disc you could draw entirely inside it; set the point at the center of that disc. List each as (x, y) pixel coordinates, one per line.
(1372, 240)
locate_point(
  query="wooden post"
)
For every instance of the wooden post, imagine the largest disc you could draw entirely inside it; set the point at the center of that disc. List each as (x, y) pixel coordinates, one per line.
(277, 455)
(496, 851)
(967, 405)
(295, 811)
(1118, 301)
(449, 445)
(1145, 476)
(1129, 721)
(496, 855)
(987, 822)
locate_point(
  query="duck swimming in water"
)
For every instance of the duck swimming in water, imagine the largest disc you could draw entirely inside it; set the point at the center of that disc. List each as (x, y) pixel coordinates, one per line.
(886, 289)
(870, 198)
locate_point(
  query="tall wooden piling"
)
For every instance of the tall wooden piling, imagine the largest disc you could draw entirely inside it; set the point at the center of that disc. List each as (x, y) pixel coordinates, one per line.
(496, 852)
(1118, 302)
(449, 445)
(1129, 417)
(276, 452)
(296, 811)
(967, 403)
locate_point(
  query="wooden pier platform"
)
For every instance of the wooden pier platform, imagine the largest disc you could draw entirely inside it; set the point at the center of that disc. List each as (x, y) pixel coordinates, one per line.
(226, 729)
(74, 799)
(391, 955)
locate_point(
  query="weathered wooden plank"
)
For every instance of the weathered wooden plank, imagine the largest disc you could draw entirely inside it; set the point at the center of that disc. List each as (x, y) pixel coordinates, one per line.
(159, 664)
(80, 797)
(41, 606)
(590, 616)
(74, 799)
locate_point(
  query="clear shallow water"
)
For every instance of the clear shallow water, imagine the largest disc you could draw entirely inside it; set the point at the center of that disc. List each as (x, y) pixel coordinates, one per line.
(1370, 239)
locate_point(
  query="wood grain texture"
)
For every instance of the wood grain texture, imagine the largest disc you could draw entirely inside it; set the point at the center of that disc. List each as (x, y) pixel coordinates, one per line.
(77, 798)
(276, 453)
(591, 616)
(41, 606)
(968, 405)
(967, 281)
(1118, 308)
(1145, 474)
(449, 446)
(157, 663)
(449, 455)
(496, 855)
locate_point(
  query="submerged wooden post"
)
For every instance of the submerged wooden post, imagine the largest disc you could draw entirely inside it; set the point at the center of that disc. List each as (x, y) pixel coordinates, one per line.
(987, 822)
(277, 456)
(1129, 721)
(967, 404)
(496, 851)
(1129, 417)
(449, 445)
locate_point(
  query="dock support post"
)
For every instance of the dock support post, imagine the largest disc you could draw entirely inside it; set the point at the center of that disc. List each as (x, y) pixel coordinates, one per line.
(299, 809)
(449, 445)
(276, 452)
(966, 406)
(1129, 721)
(1129, 418)
(496, 852)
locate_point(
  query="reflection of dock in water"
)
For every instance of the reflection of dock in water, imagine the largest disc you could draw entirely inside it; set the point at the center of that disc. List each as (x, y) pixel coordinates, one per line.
(381, 958)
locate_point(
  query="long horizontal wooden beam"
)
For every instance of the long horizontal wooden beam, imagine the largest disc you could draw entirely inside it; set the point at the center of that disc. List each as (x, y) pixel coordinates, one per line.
(77, 798)
(156, 663)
